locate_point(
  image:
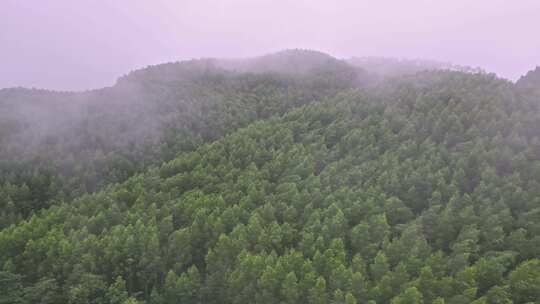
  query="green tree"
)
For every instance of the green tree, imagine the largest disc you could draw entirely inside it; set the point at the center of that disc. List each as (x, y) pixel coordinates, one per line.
(410, 296)
(117, 293)
(317, 294)
(525, 282)
(45, 291)
(350, 299)
(90, 289)
(498, 295)
(379, 267)
(290, 289)
(10, 288)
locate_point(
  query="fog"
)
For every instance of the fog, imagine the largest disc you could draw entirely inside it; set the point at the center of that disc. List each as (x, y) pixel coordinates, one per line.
(76, 45)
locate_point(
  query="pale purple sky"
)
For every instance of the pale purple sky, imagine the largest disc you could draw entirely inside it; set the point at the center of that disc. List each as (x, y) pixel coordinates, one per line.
(80, 44)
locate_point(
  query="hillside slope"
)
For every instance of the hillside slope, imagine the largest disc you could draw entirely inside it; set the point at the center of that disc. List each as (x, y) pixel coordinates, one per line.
(58, 145)
(426, 190)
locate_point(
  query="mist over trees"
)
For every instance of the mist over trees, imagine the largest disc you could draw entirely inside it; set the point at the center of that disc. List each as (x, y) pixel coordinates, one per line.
(290, 178)
(73, 143)
(384, 67)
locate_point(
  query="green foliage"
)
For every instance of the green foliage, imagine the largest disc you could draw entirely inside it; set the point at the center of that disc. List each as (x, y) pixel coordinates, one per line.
(525, 282)
(10, 288)
(424, 189)
(108, 135)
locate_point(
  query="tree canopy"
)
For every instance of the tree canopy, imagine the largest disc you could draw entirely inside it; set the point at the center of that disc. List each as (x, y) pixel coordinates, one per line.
(421, 189)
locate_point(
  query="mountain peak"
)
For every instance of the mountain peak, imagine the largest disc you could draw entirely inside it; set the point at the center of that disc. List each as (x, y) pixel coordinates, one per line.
(531, 80)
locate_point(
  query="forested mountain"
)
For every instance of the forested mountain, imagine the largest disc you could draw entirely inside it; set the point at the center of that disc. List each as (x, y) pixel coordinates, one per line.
(58, 145)
(530, 83)
(383, 67)
(270, 186)
(290, 62)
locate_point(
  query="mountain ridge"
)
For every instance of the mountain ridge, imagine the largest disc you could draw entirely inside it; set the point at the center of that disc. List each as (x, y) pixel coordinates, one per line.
(422, 190)
(86, 140)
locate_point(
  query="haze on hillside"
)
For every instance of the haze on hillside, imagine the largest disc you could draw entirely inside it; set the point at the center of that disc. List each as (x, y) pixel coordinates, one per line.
(317, 153)
(77, 45)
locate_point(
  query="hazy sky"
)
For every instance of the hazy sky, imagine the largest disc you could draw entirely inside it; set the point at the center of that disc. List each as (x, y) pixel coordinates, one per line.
(80, 44)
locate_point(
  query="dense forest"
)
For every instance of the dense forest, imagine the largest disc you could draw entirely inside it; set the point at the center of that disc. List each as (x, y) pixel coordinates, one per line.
(59, 145)
(290, 178)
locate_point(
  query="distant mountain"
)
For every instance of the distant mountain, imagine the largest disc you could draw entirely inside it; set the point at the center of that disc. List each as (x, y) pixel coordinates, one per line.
(297, 63)
(393, 67)
(294, 62)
